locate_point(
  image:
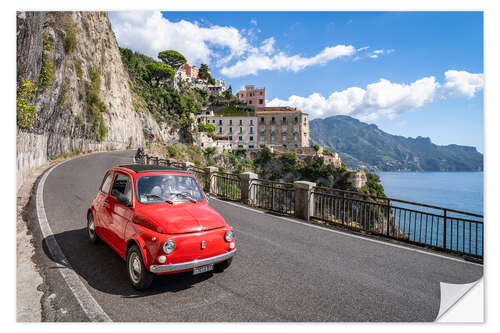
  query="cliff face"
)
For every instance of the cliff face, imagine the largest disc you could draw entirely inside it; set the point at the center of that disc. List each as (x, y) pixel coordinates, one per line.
(84, 98)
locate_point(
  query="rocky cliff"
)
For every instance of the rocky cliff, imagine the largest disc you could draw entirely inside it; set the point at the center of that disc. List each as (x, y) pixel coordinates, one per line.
(84, 99)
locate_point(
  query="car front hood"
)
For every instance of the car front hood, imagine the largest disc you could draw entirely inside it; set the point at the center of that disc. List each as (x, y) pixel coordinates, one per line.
(179, 218)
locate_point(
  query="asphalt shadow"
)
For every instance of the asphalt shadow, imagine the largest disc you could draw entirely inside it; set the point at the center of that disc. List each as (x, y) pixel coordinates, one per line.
(105, 270)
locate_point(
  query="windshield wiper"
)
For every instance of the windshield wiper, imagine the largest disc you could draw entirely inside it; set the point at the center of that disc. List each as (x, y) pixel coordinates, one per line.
(190, 198)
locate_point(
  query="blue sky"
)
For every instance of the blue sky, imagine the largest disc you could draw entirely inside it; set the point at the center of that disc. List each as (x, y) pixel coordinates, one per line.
(410, 73)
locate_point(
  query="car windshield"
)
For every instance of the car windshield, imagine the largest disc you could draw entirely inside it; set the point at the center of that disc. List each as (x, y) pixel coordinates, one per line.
(168, 188)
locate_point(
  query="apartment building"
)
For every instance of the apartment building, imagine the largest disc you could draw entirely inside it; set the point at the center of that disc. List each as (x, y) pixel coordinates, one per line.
(282, 126)
(239, 130)
(251, 96)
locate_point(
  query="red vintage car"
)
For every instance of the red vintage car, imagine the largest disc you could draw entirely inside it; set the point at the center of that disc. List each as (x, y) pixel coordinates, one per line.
(158, 220)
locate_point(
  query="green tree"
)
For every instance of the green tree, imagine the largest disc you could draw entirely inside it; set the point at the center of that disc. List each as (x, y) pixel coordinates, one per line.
(172, 58)
(159, 71)
(25, 110)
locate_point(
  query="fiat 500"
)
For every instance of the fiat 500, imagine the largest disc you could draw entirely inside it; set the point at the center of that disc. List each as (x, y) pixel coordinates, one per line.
(158, 220)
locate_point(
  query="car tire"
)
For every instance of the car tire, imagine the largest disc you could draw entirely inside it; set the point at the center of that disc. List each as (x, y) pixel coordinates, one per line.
(139, 276)
(93, 238)
(220, 267)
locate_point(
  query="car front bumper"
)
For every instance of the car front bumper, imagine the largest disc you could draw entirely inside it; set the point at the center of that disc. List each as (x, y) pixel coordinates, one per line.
(191, 264)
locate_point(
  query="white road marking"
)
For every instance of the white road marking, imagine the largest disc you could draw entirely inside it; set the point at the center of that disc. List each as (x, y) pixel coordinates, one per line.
(350, 235)
(89, 305)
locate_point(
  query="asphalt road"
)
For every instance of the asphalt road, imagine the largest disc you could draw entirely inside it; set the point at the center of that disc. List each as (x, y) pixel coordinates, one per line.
(283, 271)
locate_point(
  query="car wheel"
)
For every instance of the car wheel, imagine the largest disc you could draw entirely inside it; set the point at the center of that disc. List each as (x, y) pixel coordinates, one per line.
(219, 268)
(93, 238)
(138, 275)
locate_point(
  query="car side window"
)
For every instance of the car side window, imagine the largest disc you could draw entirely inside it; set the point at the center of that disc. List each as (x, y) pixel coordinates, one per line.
(122, 185)
(107, 183)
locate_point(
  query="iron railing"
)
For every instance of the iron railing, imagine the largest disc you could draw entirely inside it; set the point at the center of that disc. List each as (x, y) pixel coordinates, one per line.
(426, 225)
(226, 185)
(273, 196)
(200, 175)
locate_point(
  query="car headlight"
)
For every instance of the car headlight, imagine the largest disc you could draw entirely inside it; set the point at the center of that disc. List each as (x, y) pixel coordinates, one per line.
(228, 236)
(169, 246)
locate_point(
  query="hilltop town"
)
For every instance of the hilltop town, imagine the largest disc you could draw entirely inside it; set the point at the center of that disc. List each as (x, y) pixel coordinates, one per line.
(248, 123)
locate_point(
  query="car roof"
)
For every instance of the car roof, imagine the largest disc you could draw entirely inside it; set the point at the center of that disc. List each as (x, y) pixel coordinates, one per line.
(140, 168)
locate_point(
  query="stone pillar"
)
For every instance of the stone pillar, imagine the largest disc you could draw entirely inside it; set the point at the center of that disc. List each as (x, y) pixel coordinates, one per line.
(157, 160)
(170, 162)
(210, 180)
(304, 201)
(247, 190)
(188, 165)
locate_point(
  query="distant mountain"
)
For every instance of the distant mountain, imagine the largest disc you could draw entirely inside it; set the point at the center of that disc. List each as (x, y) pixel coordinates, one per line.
(365, 145)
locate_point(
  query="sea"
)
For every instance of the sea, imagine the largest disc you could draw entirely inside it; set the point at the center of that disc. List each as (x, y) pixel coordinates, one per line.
(456, 190)
(461, 191)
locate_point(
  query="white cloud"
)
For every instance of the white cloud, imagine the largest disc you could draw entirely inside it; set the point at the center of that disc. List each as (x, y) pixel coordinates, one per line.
(384, 98)
(233, 51)
(462, 83)
(150, 33)
(260, 61)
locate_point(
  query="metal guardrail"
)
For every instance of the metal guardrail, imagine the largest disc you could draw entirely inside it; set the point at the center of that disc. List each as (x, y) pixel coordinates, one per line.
(426, 225)
(226, 185)
(273, 196)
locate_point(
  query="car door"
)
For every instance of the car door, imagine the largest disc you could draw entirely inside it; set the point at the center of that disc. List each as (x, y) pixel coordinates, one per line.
(100, 204)
(119, 213)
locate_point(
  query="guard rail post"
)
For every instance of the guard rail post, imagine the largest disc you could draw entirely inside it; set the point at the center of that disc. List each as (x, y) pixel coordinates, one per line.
(247, 190)
(304, 199)
(210, 179)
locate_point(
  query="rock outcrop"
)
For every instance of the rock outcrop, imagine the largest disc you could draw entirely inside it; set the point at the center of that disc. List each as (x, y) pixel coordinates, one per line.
(84, 98)
(84, 90)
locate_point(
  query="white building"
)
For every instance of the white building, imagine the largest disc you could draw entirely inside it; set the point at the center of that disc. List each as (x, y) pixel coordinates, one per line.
(240, 131)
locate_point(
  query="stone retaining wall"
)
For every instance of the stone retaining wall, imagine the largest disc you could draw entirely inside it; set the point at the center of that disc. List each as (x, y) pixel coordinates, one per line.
(34, 150)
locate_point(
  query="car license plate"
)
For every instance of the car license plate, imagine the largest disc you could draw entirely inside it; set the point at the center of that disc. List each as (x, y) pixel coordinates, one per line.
(203, 269)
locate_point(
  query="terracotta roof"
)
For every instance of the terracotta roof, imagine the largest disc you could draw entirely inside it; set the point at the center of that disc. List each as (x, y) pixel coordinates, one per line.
(278, 111)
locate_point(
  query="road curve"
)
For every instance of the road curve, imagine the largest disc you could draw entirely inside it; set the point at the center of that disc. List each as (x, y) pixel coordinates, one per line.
(283, 271)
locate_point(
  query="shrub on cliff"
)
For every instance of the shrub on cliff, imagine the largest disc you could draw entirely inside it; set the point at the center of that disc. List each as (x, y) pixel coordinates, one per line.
(26, 111)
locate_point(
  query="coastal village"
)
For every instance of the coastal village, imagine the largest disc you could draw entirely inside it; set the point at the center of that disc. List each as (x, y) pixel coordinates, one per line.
(253, 125)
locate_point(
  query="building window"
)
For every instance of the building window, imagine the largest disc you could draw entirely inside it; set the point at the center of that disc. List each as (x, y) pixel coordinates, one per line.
(240, 146)
(220, 129)
(220, 121)
(262, 119)
(230, 130)
(240, 138)
(250, 146)
(261, 93)
(262, 128)
(296, 119)
(251, 129)
(284, 119)
(230, 138)
(272, 138)
(262, 139)
(283, 128)
(251, 138)
(250, 102)
(241, 122)
(295, 128)
(241, 129)
(261, 101)
(230, 121)
(272, 128)
(251, 122)
(272, 119)
(295, 138)
(305, 120)
(284, 138)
